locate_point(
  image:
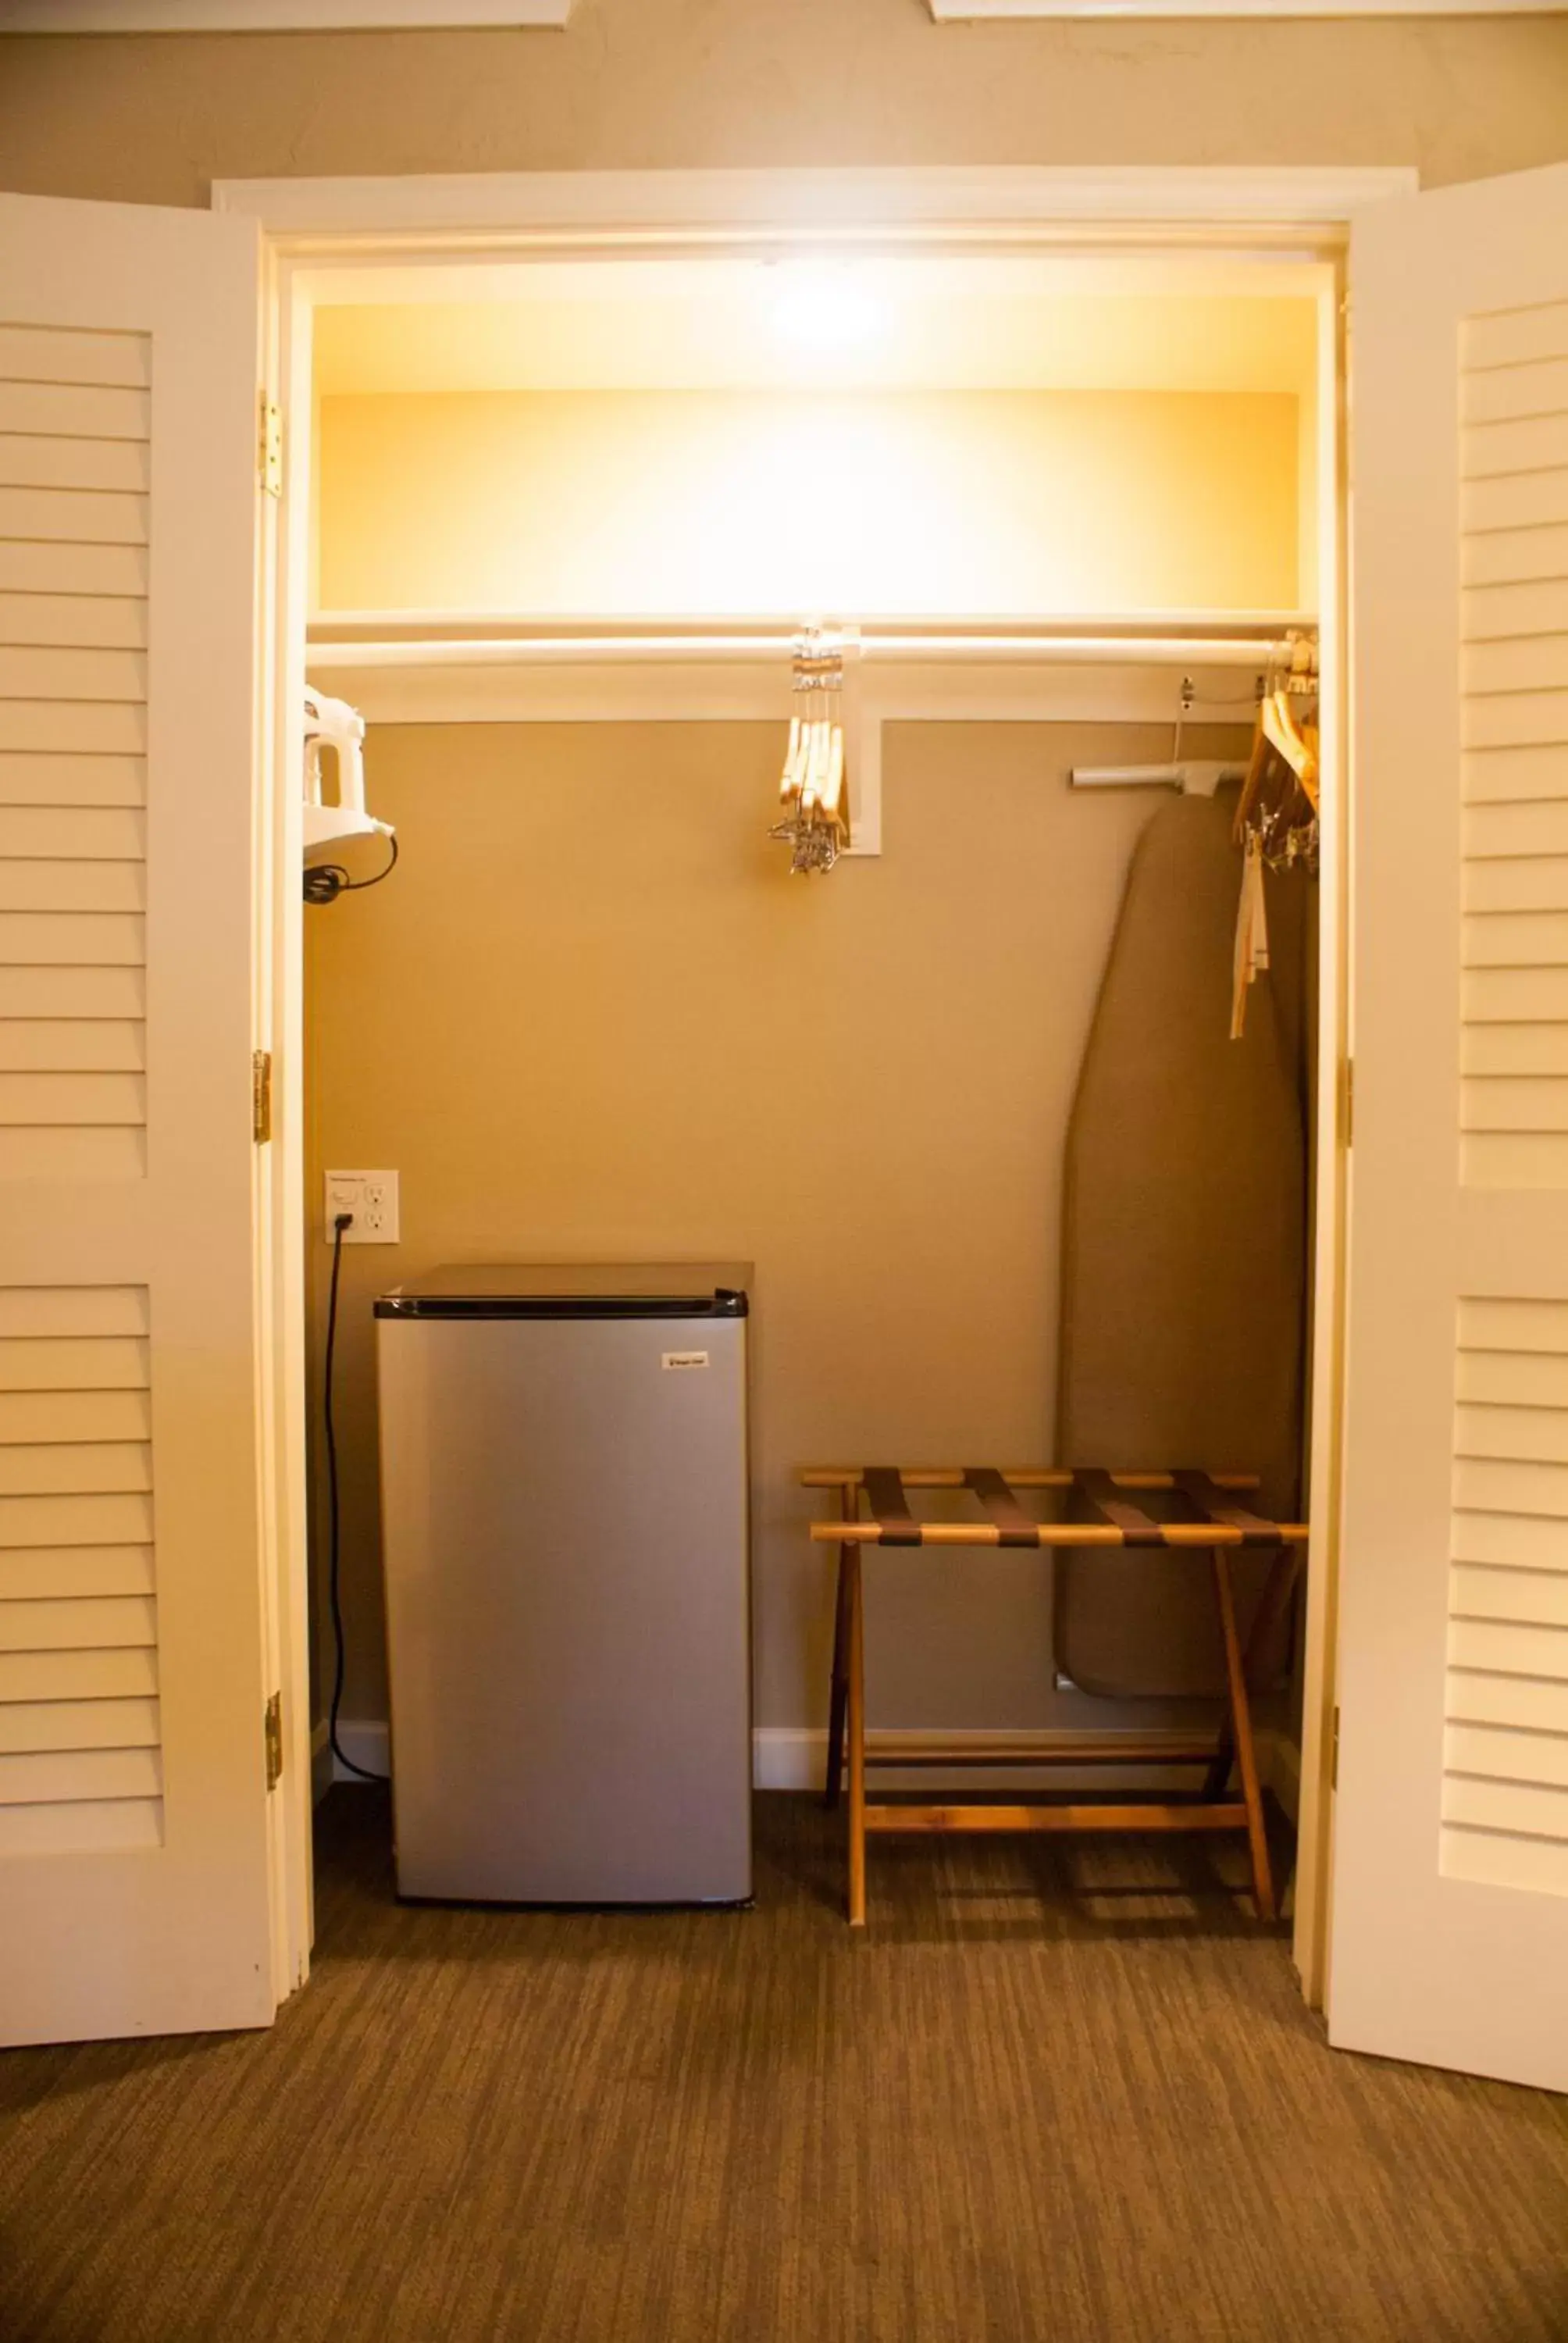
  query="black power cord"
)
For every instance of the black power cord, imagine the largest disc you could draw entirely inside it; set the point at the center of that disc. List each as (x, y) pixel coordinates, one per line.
(324, 881)
(344, 1220)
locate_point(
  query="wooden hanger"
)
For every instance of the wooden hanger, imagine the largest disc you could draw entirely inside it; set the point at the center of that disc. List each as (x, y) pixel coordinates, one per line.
(1252, 778)
(1279, 728)
(789, 784)
(833, 805)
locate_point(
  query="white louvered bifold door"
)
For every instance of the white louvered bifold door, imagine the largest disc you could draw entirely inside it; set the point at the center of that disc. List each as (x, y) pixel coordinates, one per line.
(134, 1873)
(1450, 1931)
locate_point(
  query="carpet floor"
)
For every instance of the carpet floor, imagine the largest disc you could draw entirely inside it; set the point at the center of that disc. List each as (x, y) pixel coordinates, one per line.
(1059, 2092)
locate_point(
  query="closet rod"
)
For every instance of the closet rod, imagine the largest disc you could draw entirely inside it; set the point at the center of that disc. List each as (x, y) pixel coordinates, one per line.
(1021, 647)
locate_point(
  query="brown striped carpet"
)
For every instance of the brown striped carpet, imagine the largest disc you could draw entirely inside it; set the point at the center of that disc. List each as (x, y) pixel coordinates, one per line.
(1060, 2092)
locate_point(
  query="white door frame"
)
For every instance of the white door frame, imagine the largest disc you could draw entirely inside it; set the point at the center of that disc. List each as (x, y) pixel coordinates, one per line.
(336, 239)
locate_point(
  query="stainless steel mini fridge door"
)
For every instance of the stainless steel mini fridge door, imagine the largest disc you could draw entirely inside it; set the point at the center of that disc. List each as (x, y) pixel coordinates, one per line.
(566, 1536)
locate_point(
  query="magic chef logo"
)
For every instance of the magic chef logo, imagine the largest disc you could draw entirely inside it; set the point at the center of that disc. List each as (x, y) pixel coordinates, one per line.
(685, 1360)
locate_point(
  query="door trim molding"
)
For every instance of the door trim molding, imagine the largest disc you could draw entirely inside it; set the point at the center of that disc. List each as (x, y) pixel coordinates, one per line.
(380, 239)
(1005, 203)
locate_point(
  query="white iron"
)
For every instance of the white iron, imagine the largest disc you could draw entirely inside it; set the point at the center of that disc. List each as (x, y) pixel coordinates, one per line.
(333, 724)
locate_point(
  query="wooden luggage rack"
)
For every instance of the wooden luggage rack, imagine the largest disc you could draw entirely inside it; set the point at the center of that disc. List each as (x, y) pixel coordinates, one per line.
(1219, 1525)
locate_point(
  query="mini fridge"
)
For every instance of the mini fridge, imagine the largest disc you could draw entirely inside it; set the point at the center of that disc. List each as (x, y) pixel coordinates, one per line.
(565, 1518)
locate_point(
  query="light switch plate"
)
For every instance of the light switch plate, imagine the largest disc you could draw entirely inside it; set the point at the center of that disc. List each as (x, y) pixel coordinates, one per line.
(372, 1198)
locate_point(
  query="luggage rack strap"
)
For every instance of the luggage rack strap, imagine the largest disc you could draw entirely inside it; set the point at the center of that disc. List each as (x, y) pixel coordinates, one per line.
(1001, 1506)
(1216, 1505)
(884, 1487)
(1137, 1527)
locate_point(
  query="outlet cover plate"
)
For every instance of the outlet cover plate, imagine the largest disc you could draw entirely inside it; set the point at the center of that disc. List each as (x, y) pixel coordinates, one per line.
(371, 1197)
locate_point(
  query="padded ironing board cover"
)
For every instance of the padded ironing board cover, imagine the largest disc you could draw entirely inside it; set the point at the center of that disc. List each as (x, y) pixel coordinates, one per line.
(1184, 1250)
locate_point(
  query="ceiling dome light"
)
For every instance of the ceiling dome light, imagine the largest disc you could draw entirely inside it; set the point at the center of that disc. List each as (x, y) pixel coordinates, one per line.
(824, 307)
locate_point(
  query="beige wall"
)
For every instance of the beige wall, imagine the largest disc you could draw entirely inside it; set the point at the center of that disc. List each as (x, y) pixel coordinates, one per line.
(592, 1017)
(670, 83)
(672, 502)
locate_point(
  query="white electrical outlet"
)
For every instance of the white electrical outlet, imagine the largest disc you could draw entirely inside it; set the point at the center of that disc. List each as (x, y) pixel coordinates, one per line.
(372, 1198)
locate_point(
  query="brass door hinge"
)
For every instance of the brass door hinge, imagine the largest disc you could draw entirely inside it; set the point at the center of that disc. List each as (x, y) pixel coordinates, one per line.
(261, 1096)
(1348, 1102)
(270, 449)
(273, 1730)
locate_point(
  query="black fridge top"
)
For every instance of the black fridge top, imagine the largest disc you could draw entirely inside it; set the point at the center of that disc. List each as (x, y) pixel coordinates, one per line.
(573, 1289)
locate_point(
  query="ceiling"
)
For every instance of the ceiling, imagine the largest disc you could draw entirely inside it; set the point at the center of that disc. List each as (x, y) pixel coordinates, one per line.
(885, 324)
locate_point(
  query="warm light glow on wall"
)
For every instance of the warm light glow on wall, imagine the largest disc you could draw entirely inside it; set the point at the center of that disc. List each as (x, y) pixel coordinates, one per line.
(802, 499)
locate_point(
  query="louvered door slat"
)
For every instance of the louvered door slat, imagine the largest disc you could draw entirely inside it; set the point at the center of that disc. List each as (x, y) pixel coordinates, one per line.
(39, 463)
(1519, 1047)
(1500, 394)
(1499, 611)
(97, 1045)
(1517, 501)
(43, 1725)
(55, 671)
(74, 410)
(51, 777)
(73, 517)
(77, 726)
(73, 1674)
(118, 621)
(73, 1363)
(89, 883)
(1538, 1597)
(64, 354)
(31, 993)
(71, 940)
(50, 1778)
(110, 1517)
(64, 565)
(81, 1826)
(1528, 826)
(46, 1572)
(1509, 557)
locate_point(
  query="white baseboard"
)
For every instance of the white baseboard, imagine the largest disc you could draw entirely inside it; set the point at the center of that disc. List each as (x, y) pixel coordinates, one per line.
(791, 1757)
(367, 1742)
(787, 1757)
(1279, 1763)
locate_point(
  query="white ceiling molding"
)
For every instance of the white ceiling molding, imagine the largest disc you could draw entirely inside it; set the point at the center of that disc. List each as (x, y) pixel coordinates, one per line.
(971, 12)
(272, 15)
(1005, 206)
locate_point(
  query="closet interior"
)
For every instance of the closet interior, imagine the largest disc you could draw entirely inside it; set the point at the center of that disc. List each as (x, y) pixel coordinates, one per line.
(845, 728)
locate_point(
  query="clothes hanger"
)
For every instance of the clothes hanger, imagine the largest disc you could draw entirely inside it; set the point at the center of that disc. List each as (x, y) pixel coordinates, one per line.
(790, 784)
(1283, 734)
(1277, 733)
(815, 819)
(833, 788)
(1252, 780)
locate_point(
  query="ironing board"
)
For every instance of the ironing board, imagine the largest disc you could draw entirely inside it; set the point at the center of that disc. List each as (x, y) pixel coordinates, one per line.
(1220, 1525)
(1183, 1239)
